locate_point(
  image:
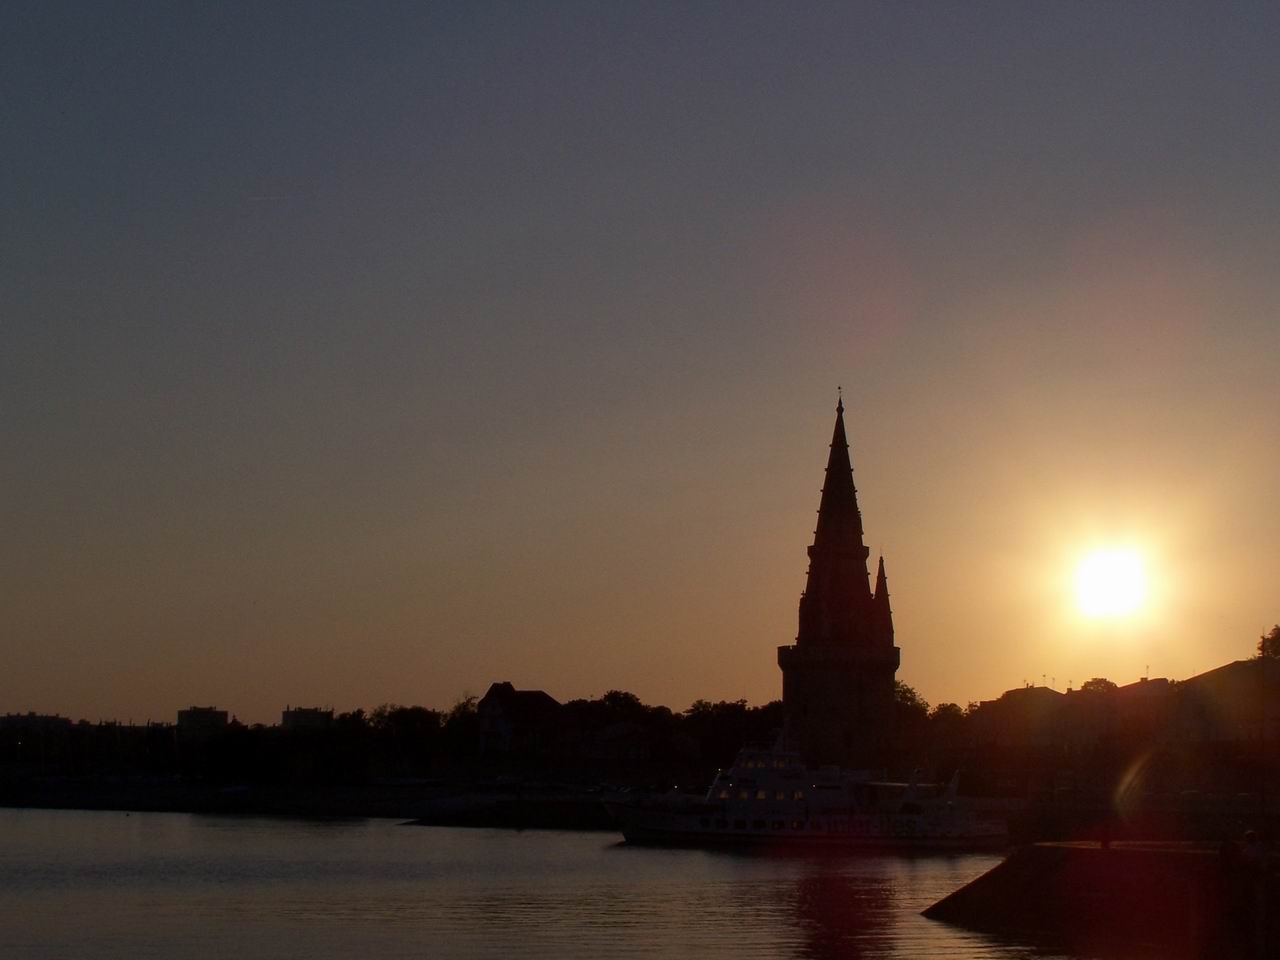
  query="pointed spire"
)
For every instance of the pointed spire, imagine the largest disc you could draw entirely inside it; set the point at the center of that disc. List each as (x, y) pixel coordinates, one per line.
(836, 606)
(839, 520)
(880, 601)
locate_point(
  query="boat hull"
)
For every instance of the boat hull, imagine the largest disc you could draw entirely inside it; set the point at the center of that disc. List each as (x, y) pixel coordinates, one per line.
(654, 826)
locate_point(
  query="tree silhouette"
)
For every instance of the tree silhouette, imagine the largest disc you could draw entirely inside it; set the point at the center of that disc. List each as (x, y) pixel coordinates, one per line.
(909, 703)
(1098, 685)
(1269, 643)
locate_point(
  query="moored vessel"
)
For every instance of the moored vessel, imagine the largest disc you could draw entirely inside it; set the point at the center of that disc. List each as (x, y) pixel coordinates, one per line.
(770, 797)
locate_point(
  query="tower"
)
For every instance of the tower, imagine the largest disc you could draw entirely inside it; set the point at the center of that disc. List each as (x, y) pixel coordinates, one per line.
(838, 677)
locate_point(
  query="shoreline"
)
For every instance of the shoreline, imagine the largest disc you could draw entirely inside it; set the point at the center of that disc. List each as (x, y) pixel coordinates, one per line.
(416, 803)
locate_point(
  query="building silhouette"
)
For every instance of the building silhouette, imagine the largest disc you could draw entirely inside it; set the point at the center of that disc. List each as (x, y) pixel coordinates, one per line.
(838, 677)
(34, 721)
(514, 720)
(201, 722)
(296, 719)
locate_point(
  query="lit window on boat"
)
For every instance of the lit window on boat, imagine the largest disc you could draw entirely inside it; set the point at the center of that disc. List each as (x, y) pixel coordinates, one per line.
(744, 795)
(797, 824)
(780, 795)
(762, 794)
(723, 794)
(778, 825)
(798, 795)
(780, 764)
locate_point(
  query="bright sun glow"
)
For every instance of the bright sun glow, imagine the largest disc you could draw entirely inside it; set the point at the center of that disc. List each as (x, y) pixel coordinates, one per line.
(1111, 583)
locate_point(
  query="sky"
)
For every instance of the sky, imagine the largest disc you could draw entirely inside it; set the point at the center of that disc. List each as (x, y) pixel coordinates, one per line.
(354, 354)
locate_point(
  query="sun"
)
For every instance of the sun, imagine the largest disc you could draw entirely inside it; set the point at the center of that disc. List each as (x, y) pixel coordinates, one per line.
(1111, 582)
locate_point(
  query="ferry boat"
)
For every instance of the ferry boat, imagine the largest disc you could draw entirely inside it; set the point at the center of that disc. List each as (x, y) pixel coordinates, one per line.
(770, 797)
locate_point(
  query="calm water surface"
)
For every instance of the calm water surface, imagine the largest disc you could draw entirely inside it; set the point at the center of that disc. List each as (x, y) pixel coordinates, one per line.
(114, 885)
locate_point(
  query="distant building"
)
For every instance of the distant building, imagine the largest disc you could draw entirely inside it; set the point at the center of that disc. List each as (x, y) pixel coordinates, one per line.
(1146, 708)
(515, 720)
(1024, 717)
(1237, 701)
(1234, 703)
(838, 677)
(197, 722)
(306, 718)
(34, 721)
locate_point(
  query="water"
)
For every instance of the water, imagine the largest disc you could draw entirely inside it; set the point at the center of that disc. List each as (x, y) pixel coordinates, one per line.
(106, 885)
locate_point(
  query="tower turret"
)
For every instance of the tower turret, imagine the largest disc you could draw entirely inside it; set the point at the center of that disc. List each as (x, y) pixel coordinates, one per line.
(882, 614)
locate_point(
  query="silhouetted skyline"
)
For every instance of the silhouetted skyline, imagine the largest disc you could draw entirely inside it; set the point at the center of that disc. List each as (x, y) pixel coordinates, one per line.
(353, 357)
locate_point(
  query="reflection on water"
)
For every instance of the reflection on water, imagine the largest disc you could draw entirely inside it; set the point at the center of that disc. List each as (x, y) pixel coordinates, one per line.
(174, 886)
(840, 916)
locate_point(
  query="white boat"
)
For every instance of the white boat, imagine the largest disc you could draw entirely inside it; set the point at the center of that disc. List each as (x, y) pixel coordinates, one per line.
(770, 797)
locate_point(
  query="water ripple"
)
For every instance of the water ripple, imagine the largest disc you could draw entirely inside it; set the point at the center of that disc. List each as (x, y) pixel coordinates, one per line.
(105, 886)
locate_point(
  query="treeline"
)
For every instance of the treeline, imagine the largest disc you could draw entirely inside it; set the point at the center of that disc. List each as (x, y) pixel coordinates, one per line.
(615, 737)
(935, 737)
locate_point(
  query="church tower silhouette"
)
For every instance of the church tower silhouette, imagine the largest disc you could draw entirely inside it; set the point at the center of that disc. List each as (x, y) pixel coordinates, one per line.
(838, 677)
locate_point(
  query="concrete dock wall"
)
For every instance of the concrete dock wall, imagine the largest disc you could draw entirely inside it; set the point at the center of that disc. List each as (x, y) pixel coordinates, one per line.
(1176, 899)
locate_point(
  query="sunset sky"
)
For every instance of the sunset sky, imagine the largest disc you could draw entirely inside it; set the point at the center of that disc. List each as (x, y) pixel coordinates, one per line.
(360, 354)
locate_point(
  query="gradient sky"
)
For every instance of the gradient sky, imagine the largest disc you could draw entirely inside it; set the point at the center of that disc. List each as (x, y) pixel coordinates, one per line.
(353, 354)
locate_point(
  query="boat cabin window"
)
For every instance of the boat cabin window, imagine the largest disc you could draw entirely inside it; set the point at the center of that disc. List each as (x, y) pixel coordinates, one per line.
(778, 825)
(780, 795)
(798, 795)
(762, 794)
